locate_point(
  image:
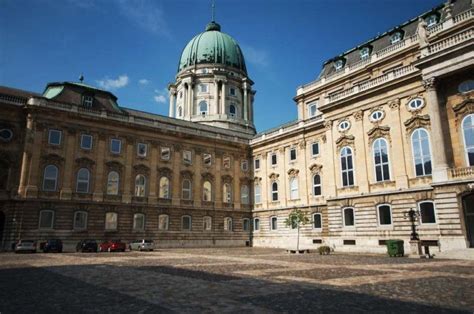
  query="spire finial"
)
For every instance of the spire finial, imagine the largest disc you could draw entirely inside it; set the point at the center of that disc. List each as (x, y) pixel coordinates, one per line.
(81, 78)
(213, 11)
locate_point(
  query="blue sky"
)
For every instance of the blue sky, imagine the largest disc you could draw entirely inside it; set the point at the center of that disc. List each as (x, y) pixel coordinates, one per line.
(132, 47)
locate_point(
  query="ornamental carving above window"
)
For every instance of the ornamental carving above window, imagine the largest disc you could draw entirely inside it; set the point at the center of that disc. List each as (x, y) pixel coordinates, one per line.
(226, 179)
(165, 172)
(293, 172)
(114, 165)
(186, 174)
(273, 176)
(345, 140)
(52, 158)
(141, 168)
(416, 122)
(315, 168)
(463, 109)
(85, 162)
(207, 176)
(379, 131)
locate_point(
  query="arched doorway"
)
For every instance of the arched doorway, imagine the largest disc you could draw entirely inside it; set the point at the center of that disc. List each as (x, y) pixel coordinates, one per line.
(468, 205)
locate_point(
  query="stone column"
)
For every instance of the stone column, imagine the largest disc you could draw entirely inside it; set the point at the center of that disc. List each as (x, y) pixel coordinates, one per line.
(223, 97)
(440, 164)
(191, 101)
(236, 182)
(216, 96)
(218, 181)
(26, 159)
(185, 100)
(152, 197)
(98, 195)
(128, 180)
(33, 174)
(246, 113)
(176, 178)
(172, 95)
(198, 181)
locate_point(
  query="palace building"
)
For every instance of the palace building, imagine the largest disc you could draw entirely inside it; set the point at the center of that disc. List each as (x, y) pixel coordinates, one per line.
(386, 127)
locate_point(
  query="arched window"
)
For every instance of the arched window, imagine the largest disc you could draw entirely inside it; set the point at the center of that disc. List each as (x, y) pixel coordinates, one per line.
(317, 221)
(273, 223)
(46, 219)
(227, 193)
(347, 167)
(293, 188)
(50, 178)
(421, 152)
(427, 212)
(232, 110)
(180, 112)
(140, 185)
(164, 188)
(468, 132)
(348, 217)
(381, 163)
(80, 220)
(466, 86)
(207, 223)
(186, 189)
(244, 194)
(258, 194)
(384, 213)
(316, 185)
(228, 224)
(113, 183)
(256, 224)
(186, 223)
(207, 191)
(139, 222)
(203, 108)
(274, 191)
(163, 222)
(82, 181)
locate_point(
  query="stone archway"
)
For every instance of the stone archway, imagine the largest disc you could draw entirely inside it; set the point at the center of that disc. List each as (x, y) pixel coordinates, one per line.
(468, 208)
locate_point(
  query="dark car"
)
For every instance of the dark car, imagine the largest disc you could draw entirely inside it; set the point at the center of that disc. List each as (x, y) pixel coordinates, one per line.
(112, 246)
(87, 245)
(52, 245)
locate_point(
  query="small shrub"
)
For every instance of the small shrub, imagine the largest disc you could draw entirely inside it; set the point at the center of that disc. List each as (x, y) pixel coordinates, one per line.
(324, 250)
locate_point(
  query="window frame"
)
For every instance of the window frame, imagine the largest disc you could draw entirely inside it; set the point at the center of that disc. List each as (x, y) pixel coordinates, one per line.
(190, 223)
(315, 144)
(204, 191)
(228, 224)
(207, 159)
(415, 100)
(119, 142)
(109, 182)
(50, 178)
(139, 185)
(50, 134)
(244, 221)
(51, 225)
(256, 224)
(292, 154)
(205, 224)
(423, 156)
(166, 195)
(463, 131)
(320, 229)
(434, 213)
(344, 126)
(273, 227)
(140, 144)
(165, 153)
(115, 214)
(226, 193)
(273, 191)
(272, 155)
(379, 223)
(167, 224)
(347, 170)
(311, 105)
(294, 188)
(344, 225)
(200, 107)
(244, 194)
(187, 190)
(87, 101)
(82, 141)
(381, 164)
(76, 213)
(83, 181)
(9, 137)
(257, 195)
(203, 88)
(232, 114)
(232, 91)
(256, 164)
(134, 226)
(316, 185)
(187, 161)
(244, 165)
(364, 53)
(394, 40)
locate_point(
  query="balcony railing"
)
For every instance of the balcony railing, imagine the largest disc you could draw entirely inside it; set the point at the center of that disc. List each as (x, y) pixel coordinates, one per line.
(407, 42)
(451, 41)
(462, 172)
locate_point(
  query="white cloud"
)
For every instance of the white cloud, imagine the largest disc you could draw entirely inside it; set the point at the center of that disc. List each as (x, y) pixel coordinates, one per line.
(144, 82)
(145, 14)
(258, 57)
(108, 83)
(161, 96)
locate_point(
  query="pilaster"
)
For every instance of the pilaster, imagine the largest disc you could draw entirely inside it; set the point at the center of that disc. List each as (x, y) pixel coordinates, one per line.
(127, 186)
(98, 195)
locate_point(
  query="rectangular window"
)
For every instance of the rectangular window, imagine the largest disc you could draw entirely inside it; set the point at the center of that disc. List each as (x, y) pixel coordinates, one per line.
(87, 101)
(226, 162)
(165, 153)
(54, 137)
(258, 191)
(292, 154)
(163, 222)
(427, 213)
(317, 221)
(207, 159)
(138, 222)
(257, 164)
(246, 224)
(187, 157)
(315, 149)
(385, 215)
(46, 219)
(203, 88)
(186, 223)
(86, 141)
(232, 91)
(80, 221)
(273, 223)
(111, 221)
(142, 149)
(244, 165)
(256, 224)
(274, 159)
(115, 146)
(348, 214)
(312, 109)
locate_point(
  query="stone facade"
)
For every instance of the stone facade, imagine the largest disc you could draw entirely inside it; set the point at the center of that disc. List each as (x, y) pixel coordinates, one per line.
(379, 133)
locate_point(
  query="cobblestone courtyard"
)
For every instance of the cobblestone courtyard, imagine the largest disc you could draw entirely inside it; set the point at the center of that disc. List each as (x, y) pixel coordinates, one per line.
(231, 280)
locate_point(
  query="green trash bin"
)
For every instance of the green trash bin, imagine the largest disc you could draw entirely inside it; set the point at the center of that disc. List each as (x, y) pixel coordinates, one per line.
(395, 247)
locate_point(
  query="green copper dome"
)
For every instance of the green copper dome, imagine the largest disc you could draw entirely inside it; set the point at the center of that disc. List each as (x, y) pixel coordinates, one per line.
(212, 46)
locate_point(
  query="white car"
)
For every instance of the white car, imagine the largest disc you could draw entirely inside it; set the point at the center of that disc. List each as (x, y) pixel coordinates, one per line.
(25, 246)
(141, 245)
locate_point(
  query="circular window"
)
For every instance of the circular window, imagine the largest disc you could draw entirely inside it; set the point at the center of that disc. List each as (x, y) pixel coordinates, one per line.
(6, 135)
(466, 86)
(344, 126)
(376, 115)
(416, 103)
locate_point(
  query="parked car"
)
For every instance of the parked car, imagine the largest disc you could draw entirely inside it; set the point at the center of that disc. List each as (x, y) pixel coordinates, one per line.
(25, 246)
(112, 246)
(52, 245)
(141, 245)
(87, 245)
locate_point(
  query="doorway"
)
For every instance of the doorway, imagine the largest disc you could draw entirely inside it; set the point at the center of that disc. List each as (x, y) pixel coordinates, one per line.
(468, 204)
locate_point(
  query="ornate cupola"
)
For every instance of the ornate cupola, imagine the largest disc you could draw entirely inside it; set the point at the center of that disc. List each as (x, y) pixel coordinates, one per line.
(212, 86)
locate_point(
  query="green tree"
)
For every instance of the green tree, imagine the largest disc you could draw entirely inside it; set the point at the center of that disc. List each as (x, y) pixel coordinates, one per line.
(295, 219)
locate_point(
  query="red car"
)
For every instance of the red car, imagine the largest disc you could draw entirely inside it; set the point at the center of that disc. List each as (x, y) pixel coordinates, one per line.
(112, 246)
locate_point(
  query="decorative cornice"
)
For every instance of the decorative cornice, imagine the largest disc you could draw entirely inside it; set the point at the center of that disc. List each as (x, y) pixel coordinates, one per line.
(186, 174)
(430, 84)
(84, 161)
(345, 140)
(114, 165)
(378, 131)
(293, 172)
(417, 122)
(207, 176)
(315, 168)
(141, 168)
(226, 178)
(165, 172)
(52, 158)
(273, 176)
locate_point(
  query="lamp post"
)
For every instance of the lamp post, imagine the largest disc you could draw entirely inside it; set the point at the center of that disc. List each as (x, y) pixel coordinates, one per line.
(413, 215)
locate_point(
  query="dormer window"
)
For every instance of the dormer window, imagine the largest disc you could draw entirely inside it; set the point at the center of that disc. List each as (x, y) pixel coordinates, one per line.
(431, 20)
(339, 64)
(396, 37)
(87, 101)
(364, 53)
